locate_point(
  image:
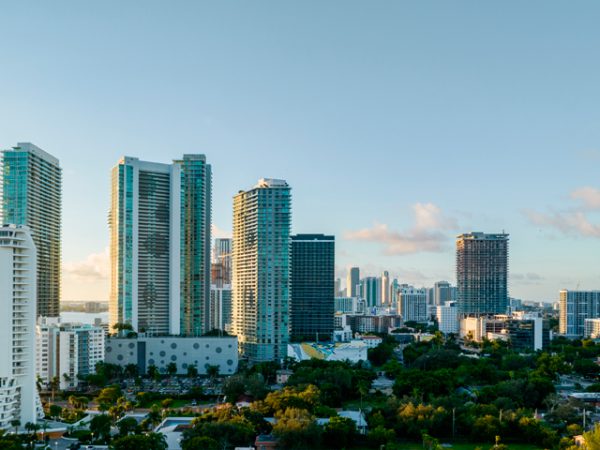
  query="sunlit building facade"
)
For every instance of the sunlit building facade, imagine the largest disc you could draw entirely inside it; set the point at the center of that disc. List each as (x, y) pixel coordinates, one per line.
(482, 273)
(261, 270)
(160, 222)
(32, 196)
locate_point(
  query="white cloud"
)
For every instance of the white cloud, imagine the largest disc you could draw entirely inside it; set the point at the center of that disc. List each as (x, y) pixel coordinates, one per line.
(588, 195)
(424, 236)
(219, 233)
(572, 223)
(95, 267)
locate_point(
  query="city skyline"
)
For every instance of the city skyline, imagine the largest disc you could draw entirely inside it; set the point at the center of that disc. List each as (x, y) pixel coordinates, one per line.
(394, 151)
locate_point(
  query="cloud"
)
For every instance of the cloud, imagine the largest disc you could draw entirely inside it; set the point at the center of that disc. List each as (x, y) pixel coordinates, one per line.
(424, 236)
(526, 278)
(95, 267)
(589, 196)
(572, 223)
(219, 233)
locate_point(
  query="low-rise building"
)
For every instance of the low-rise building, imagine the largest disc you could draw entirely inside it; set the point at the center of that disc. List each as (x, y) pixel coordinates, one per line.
(184, 351)
(447, 318)
(67, 350)
(592, 328)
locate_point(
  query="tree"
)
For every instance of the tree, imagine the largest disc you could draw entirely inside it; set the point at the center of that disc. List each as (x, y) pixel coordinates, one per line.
(192, 371)
(171, 368)
(108, 397)
(340, 432)
(131, 370)
(16, 423)
(54, 385)
(153, 372)
(100, 426)
(296, 429)
(128, 425)
(150, 441)
(212, 371)
(54, 411)
(200, 442)
(592, 438)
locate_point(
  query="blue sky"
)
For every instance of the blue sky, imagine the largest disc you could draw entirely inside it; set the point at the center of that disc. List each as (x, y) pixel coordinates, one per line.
(397, 124)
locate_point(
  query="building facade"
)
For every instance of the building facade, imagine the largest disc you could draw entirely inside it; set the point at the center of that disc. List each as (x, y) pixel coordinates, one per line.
(312, 286)
(221, 262)
(447, 318)
(371, 291)
(67, 350)
(220, 308)
(412, 304)
(352, 282)
(574, 308)
(261, 270)
(591, 328)
(18, 260)
(184, 351)
(32, 196)
(160, 222)
(482, 273)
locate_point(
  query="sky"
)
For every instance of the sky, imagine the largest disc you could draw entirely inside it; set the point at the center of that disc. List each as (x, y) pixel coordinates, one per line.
(398, 124)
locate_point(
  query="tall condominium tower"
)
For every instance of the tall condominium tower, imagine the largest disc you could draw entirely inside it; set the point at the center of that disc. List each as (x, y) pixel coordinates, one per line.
(312, 287)
(482, 273)
(352, 281)
(31, 195)
(442, 292)
(160, 245)
(412, 304)
(221, 262)
(574, 308)
(18, 393)
(261, 270)
(371, 291)
(385, 288)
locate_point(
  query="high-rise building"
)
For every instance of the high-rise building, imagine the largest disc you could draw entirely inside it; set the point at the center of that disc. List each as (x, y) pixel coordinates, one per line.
(160, 221)
(441, 293)
(221, 262)
(385, 288)
(352, 281)
(412, 304)
(482, 273)
(371, 291)
(575, 307)
(312, 286)
(18, 258)
(31, 195)
(261, 270)
(220, 308)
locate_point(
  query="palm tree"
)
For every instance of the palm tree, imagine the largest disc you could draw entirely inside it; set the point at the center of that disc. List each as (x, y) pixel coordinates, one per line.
(54, 385)
(15, 423)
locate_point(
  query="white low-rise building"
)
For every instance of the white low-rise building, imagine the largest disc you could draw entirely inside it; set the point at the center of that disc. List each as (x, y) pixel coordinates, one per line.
(66, 350)
(18, 268)
(160, 351)
(447, 318)
(592, 328)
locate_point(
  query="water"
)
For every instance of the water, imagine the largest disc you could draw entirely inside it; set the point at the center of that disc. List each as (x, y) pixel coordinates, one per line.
(81, 317)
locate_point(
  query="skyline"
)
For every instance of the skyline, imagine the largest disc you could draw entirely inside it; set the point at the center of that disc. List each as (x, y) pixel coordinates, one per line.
(404, 138)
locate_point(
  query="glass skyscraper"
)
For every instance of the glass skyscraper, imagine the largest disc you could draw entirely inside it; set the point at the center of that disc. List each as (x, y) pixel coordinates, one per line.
(261, 270)
(160, 222)
(312, 287)
(482, 273)
(32, 196)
